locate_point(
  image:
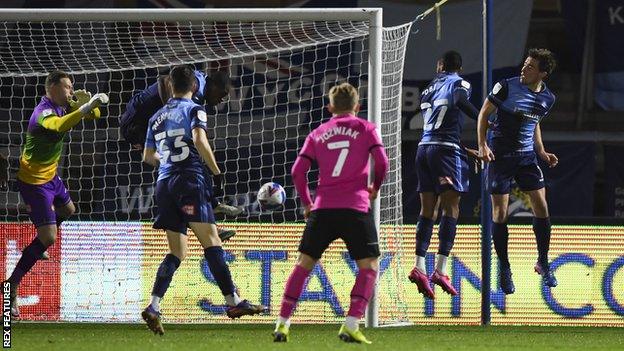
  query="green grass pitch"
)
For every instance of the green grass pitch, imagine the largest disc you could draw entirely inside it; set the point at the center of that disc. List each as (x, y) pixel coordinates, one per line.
(118, 337)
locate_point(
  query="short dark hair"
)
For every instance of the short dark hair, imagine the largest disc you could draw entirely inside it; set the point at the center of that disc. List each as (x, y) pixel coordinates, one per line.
(220, 79)
(182, 79)
(546, 58)
(451, 61)
(55, 77)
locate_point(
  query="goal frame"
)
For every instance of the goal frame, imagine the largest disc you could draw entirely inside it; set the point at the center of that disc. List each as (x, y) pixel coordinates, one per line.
(372, 15)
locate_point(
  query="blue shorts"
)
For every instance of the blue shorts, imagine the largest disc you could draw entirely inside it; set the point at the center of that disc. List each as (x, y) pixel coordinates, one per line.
(440, 168)
(182, 199)
(521, 167)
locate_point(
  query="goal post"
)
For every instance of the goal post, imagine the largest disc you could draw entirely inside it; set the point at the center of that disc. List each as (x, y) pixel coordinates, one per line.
(282, 62)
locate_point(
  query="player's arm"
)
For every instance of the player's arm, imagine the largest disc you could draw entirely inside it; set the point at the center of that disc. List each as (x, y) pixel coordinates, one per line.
(65, 123)
(549, 158)
(462, 100)
(151, 157)
(299, 174)
(200, 139)
(380, 158)
(493, 101)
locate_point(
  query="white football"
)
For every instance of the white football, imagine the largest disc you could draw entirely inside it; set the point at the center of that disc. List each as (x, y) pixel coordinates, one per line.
(271, 196)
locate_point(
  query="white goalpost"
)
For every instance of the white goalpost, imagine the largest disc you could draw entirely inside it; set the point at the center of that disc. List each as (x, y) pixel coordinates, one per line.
(282, 62)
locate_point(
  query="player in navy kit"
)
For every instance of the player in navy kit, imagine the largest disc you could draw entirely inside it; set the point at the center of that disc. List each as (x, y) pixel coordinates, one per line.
(512, 149)
(209, 90)
(442, 168)
(177, 143)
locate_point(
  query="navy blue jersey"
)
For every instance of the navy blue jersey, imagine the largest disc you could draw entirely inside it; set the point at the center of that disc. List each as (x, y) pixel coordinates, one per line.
(144, 104)
(519, 111)
(443, 119)
(170, 133)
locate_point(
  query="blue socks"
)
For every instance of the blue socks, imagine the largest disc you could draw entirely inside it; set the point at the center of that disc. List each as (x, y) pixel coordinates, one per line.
(219, 269)
(424, 228)
(164, 275)
(541, 228)
(446, 233)
(500, 234)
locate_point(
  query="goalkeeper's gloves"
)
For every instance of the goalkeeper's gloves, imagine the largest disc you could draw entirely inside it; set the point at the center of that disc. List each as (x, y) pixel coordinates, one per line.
(81, 97)
(97, 100)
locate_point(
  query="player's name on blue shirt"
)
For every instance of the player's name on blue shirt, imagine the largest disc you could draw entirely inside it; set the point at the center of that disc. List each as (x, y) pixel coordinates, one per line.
(519, 110)
(170, 133)
(443, 120)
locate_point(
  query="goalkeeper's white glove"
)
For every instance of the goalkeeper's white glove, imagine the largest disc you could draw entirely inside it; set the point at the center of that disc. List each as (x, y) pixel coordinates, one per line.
(97, 100)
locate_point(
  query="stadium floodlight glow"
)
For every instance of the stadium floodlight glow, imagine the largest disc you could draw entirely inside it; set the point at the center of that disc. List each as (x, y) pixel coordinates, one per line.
(281, 61)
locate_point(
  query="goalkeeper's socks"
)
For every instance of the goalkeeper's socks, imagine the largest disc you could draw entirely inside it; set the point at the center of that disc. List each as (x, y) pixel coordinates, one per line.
(424, 228)
(30, 255)
(294, 287)
(362, 292)
(500, 235)
(446, 233)
(541, 228)
(219, 269)
(165, 272)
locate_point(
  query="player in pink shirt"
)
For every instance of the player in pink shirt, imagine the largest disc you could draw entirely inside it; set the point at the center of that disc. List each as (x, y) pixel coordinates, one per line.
(341, 147)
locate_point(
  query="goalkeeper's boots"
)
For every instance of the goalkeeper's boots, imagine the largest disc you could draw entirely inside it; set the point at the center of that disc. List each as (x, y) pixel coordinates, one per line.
(444, 282)
(547, 275)
(226, 234)
(244, 308)
(13, 302)
(347, 335)
(228, 210)
(505, 281)
(280, 334)
(153, 320)
(422, 281)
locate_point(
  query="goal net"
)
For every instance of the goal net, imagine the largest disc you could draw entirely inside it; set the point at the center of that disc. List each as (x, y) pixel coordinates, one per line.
(281, 71)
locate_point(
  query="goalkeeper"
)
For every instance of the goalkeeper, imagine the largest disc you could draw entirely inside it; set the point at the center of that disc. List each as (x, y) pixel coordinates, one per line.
(208, 90)
(39, 185)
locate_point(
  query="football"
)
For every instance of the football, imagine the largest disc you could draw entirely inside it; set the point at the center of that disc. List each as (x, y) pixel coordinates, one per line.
(271, 196)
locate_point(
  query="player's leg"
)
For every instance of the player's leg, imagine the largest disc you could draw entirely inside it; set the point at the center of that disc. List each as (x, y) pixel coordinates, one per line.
(178, 248)
(500, 174)
(542, 228)
(449, 204)
(39, 198)
(170, 219)
(451, 165)
(213, 252)
(225, 234)
(500, 236)
(424, 231)
(428, 214)
(360, 236)
(317, 236)
(530, 179)
(292, 292)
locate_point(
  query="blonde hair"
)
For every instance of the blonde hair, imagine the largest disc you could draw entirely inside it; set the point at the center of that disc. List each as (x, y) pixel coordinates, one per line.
(343, 97)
